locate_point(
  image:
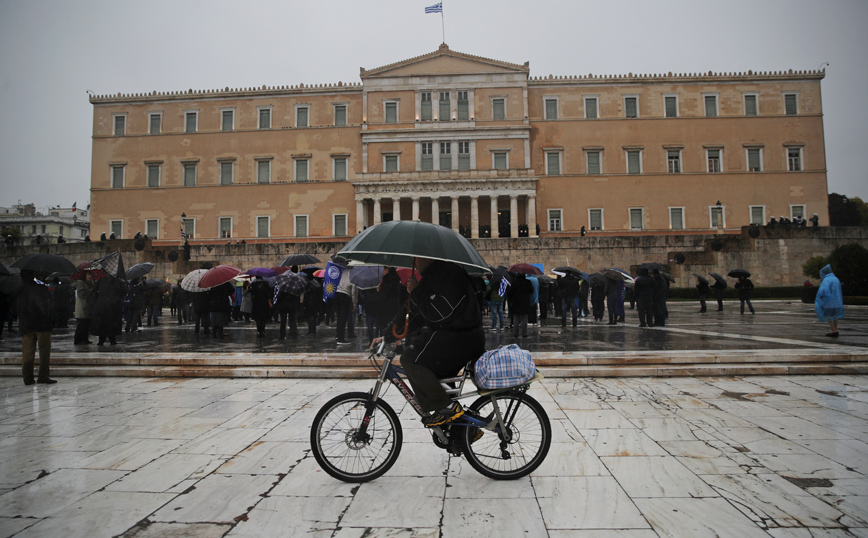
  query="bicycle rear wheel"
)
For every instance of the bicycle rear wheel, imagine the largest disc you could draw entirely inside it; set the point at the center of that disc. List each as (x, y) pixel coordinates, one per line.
(516, 452)
(346, 453)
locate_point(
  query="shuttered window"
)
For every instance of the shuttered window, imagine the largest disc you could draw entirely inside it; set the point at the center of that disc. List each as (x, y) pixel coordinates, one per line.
(551, 109)
(263, 171)
(156, 124)
(191, 122)
(634, 162)
(500, 160)
(596, 219)
(120, 125)
(262, 225)
(427, 114)
(710, 106)
(228, 122)
(671, 103)
(340, 115)
(340, 226)
(118, 177)
(676, 218)
(463, 106)
(754, 160)
(189, 175)
(301, 226)
(301, 117)
(636, 220)
(227, 171)
(392, 112)
(265, 118)
(464, 155)
(391, 163)
(553, 163)
(750, 108)
(445, 105)
(340, 169)
(631, 107)
(301, 170)
(427, 156)
(594, 162)
(445, 156)
(791, 104)
(591, 108)
(498, 109)
(153, 175)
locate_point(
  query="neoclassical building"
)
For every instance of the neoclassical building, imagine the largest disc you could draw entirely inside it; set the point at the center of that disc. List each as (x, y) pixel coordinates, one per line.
(472, 143)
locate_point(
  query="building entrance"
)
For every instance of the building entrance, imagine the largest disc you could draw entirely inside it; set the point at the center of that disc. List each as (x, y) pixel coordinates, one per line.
(503, 224)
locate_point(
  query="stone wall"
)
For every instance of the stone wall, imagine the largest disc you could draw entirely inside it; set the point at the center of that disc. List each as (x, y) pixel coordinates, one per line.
(775, 256)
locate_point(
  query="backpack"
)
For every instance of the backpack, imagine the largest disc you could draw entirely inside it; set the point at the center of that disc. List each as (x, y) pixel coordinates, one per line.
(506, 366)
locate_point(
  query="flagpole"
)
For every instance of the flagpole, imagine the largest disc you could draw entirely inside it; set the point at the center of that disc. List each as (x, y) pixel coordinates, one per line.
(443, 21)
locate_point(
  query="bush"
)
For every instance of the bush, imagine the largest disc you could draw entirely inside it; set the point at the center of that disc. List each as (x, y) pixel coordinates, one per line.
(859, 301)
(849, 263)
(811, 268)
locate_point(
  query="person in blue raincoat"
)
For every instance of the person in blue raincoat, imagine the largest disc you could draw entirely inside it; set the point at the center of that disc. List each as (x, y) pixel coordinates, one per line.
(829, 303)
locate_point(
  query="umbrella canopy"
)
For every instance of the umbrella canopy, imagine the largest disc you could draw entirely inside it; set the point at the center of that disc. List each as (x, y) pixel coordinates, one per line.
(6, 270)
(595, 278)
(718, 278)
(218, 275)
(10, 284)
(310, 270)
(404, 274)
(95, 271)
(157, 283)
(264, 272)
(294, 283)
(366, 277)
(701, 278)
(525, 268)
(396, 243)
(113, 264)
(628, 278)
(42, 262)
(319, 273)
(566, 269)
(299, 259)
(613, 274)
(280, 269)
(139, 269)
(653, 266)
(667, 276)
(737, 273)
(191, 281)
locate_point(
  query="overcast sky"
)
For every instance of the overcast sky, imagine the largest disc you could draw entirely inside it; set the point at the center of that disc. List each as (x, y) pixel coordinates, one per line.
(54, 51)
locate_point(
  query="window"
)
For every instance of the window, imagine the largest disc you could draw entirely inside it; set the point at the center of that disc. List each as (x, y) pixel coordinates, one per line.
(340, 115)
(426, 113)
(339, 225)
(340, 169)
(427, 156)
(118, 176)
(716, 214)
(263, 227)
(500, 160)
(189, 174)
(301, 225)
(191, 121)
(116, 228)
(153, 175)
(797, 211)
(225, 227)
(551, 108)
(463, 105)
(445, 105)
(555, 220)
(750, 104)
(445, 156)
(189, 225)
(464, 155)
(498, 108)
(758, 215)
(301, 116)
(594, 167)
(713, 158)
(591, 108)
(391, 108)
(553, 163)
(634, 161)
(120, 124)
(794, 159)
(155, 123)
(152, 228)
(754, 159)
(264, 117)
(670, 106)
(710, 105)
(227, 173)
(631, 106)
(390, 163)
(227, 120)
(673, 161)
(676, 218)
(791, 104)
(301, 175)
(637, 219)
(263, 171)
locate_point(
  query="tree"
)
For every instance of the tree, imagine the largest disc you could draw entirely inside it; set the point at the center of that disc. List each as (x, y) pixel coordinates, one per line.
(849, 263)
(843, 211)
(863, 209)
(11, 230)
(811, 268)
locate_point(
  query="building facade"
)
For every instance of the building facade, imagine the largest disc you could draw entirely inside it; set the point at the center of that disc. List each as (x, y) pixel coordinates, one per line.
(53, 225)
(468, 142)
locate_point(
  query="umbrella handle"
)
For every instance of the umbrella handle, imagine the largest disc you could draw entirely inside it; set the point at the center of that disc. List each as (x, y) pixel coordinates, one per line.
(406, 324)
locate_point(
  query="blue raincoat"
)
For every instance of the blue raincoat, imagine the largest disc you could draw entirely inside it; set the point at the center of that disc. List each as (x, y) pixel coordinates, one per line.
(829, 303)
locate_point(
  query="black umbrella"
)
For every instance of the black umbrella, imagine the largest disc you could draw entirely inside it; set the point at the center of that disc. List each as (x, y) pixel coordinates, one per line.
(567, 269)
(299, 259)
(139, 269)
(310, 270)
(718, 278)
(653, 266)
(628, 278)
(613, 274)
(157, 283)
(42, 262)
(667, 276)
(7, 270)
(701, 278)
(596, 278)
(737, 273)
(10, 284)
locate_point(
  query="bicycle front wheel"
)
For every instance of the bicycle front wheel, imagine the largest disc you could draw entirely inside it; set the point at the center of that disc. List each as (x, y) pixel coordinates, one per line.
(346, 451)
(516, 452)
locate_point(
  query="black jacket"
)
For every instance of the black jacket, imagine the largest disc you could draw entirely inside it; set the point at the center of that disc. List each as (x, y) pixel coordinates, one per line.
(34, 304)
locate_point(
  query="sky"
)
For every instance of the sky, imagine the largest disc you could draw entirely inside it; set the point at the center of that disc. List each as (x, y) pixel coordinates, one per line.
(53, 52)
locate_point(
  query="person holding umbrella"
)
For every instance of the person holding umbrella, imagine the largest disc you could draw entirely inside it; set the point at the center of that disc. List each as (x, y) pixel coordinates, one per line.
(644, 290)
(829, 303)
(35, 321)
(702, 287)
(260, 292)
(744, 287)
(718, 287)
(519, 297)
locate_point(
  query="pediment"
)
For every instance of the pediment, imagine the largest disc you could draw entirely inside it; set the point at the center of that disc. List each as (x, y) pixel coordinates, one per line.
(444, 62)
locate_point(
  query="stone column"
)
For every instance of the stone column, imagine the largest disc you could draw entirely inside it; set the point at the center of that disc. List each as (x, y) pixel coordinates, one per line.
(378, 215)
(435, 210)
(474, 217)
(531, 215)
(494, 222)
(396, 209)
(513, 215)
(455, 214)
(361, 221)
(415, 208)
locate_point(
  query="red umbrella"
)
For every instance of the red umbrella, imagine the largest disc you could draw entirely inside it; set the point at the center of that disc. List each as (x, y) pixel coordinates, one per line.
(319, 274)
(218, 275)
(405, 272)
(282, 269)
(525, 268)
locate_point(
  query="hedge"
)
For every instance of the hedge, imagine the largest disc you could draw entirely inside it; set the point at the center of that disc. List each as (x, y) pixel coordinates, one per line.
(806, 294)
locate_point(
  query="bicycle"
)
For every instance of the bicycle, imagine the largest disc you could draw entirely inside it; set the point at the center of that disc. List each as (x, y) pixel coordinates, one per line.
(505, 434)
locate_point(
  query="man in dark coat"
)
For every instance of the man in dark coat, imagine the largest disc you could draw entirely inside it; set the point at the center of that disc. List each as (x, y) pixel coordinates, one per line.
(181, 300)
(135, 305)
(262, 303)
(64, 303)
(660, 291)
(35, 321)
(220, 306)
(598, 300)
(611, 291)
(201, 311)
(518, 295)
(644, 290)
(286, 305)
(703, 288)
(744, 287)
(106, 303)
(718, 288)
(568, 288)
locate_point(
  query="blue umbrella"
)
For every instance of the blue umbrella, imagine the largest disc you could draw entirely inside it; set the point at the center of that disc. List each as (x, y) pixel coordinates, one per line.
(366, 277)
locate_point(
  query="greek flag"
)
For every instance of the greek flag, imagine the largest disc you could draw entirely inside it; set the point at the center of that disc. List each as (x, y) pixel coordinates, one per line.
(333, 274)
(503, 284)
(436, 8)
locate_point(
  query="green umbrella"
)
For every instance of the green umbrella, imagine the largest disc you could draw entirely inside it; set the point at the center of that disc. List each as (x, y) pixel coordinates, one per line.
(397, 242)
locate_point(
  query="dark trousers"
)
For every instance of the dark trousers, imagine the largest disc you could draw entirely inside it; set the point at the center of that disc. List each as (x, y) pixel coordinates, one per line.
(612, 307)
(718, 294)
(183, 313)
(134, 315)
(571, 304)
(702, 303)
(290, 315)
(201, 317)
(29, 342)
(599, 306)
(659, 312)
(744, 300)
(343, 308)
(645, 306)
(82, 330)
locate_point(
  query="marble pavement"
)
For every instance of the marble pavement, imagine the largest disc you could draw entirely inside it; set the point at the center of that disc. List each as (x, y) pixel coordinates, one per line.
(757, 456)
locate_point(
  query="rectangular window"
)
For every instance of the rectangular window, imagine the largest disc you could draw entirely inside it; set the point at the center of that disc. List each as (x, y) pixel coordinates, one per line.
(445, 105)
(427, 156)
(710, 106)
(551, 106)
(676, 218)
(794, 159)
(631, 107)
(228, 120)
(426, 111)
(464, 155)
(189, 226)
(391, 112)
(634, 161)
(463, 106)
(191, 122)
(553, 163)
(501, 160)
(750, 105)
(791, 104)
(263, 227)
(118, 176)
(340, 171)
(758, 215)
(116, 228)
(120, 125)
(225, 227)
(391, 163)
(498, 109)
(153, 175)
(590, 108)
(340, 115)
(713, 157)
(754, 159)
(189, 175)
(339, 225)
(594, 168)
(301, 175)
(555, 220)
(673, 161)
(152, 228)
(595, 219)
(301, 116)
(265, 118)
(301, 226)
(670, 103)
(716, 214)
(263, 171)
(637, 221)
(797, 211)
(227, 173)
(445, 156)
(155, 123)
